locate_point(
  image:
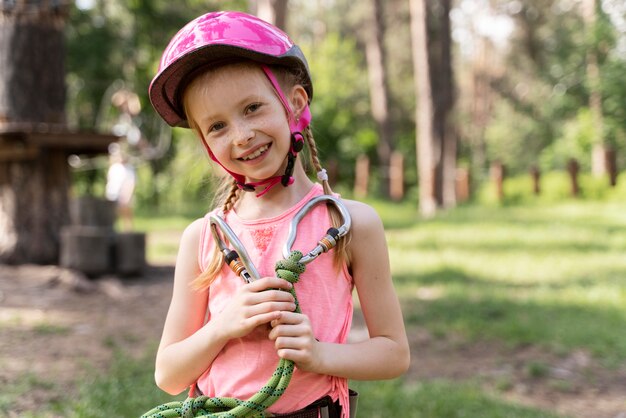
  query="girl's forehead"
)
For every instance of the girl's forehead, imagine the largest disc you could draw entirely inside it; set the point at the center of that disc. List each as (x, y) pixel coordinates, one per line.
(237, 79)
(225, 88)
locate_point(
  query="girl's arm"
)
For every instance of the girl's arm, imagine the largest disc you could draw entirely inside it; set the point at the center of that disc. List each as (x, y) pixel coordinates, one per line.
(385, 354)
(188, 347)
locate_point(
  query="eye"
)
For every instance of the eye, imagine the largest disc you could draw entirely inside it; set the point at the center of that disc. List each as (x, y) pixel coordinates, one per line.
(253, 107)
(216, 127)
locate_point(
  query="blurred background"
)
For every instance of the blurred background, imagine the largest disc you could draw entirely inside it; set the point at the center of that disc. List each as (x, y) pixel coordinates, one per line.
(529, 86)
(490, 135)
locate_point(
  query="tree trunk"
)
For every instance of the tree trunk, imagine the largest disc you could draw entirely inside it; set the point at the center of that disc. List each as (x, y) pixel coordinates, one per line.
(34, 183)
(379, 90)
(598, 162)
(33, 207)
(424, 109)
(272, 11)
(32, 70)
(437, 148)
(444, 104)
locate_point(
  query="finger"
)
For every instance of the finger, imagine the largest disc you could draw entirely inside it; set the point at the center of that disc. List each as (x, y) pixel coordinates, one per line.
(261, 319)
(281, 330)
(294, 355)
(291, 318)
(270, 306)
(269, 283)
(268, 296)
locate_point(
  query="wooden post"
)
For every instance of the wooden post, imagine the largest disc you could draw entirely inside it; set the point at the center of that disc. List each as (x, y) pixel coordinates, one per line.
(462, 184)
(611, 165)
(535, 175)
(497, 176)
(396, 176)
(362, 173)
(572, 169)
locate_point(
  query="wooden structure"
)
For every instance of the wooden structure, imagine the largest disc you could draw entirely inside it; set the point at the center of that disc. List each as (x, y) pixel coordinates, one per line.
(34, 139)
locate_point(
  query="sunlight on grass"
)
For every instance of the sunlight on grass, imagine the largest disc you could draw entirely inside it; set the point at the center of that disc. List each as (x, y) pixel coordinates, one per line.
(554, 276)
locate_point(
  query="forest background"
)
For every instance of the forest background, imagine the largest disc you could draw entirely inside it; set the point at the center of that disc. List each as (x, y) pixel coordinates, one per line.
(530, 85)
(513, 303)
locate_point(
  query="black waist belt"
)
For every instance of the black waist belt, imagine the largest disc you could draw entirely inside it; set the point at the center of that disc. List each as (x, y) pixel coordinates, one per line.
(323, 408)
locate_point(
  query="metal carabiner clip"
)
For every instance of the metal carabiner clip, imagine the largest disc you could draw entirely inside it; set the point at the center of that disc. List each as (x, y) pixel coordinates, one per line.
(332, 235)
(238, 259)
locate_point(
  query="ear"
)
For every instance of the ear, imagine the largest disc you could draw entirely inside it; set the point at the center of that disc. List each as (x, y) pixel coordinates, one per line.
(299, 99)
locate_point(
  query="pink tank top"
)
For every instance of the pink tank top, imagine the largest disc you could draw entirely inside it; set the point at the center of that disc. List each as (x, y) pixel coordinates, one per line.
(325, 295)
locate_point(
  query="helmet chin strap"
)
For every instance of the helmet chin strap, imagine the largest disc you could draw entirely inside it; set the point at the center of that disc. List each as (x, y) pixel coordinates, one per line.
(296, 127)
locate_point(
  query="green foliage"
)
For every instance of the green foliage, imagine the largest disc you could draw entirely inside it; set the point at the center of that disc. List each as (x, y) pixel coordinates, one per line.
(186, 185)
(541, 110)
(575, 142)
(341, 122)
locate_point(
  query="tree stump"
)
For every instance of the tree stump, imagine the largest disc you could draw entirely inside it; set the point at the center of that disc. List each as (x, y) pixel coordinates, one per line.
(497, 176)
(130, 253)
(396, 176)
(572, 169)
(87, 249)
(535, 176)
(361, 176)
(462, 184)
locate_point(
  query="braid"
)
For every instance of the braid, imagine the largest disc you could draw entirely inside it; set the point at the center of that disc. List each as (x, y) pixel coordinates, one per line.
(341, 252)
(229, 193)
(231, 198)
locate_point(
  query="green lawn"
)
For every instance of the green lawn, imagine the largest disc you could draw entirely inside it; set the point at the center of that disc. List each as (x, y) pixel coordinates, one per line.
(552, 277)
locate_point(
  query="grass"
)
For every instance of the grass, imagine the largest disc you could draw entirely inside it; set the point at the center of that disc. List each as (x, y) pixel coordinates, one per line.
(128, 391)
(438, 399)
(550, 276)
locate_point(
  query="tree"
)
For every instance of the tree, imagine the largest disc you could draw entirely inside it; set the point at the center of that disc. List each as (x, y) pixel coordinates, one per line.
(424, 110)
(273, 11)
(34, 139)
(374, 33)
(436, 144)
(598, 159)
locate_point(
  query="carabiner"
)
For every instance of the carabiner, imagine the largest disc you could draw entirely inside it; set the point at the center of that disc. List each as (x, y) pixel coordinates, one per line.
(332, 235)
(243, 267)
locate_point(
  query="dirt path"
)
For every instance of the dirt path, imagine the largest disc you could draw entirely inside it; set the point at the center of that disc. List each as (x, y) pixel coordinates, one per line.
(53, 326)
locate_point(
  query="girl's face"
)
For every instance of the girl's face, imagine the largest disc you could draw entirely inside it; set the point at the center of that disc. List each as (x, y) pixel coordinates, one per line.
(239, 116)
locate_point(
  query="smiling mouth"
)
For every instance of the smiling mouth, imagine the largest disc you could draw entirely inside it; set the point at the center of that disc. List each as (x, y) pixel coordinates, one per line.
(256, 154)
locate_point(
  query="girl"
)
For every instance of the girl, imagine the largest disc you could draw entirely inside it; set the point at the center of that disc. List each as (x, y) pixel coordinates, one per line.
(244, 88)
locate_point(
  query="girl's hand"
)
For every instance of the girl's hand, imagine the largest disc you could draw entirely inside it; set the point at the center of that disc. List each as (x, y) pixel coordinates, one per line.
(254, 305)
(294, 340)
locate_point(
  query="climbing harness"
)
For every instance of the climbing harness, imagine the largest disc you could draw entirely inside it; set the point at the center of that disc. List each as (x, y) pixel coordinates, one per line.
(290, 268)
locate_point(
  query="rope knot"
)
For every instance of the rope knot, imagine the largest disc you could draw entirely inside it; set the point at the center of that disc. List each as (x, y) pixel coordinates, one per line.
(290, 268)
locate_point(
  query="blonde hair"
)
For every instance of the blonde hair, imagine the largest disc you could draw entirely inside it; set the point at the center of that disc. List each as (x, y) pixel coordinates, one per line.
(228, 193)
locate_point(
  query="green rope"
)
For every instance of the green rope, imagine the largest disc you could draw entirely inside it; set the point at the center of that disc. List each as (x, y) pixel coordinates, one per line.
(204, 407)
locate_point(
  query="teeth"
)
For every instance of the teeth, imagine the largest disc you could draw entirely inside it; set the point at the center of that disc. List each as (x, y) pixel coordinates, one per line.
(256, 153)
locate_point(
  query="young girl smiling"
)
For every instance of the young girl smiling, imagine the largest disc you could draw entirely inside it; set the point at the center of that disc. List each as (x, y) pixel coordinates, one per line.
(245, 88)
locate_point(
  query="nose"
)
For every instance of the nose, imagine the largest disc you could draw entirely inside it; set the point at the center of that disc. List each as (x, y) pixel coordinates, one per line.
(242, 133)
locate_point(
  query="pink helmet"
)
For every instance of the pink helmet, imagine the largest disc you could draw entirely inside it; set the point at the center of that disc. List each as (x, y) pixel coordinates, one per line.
(214, 38)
